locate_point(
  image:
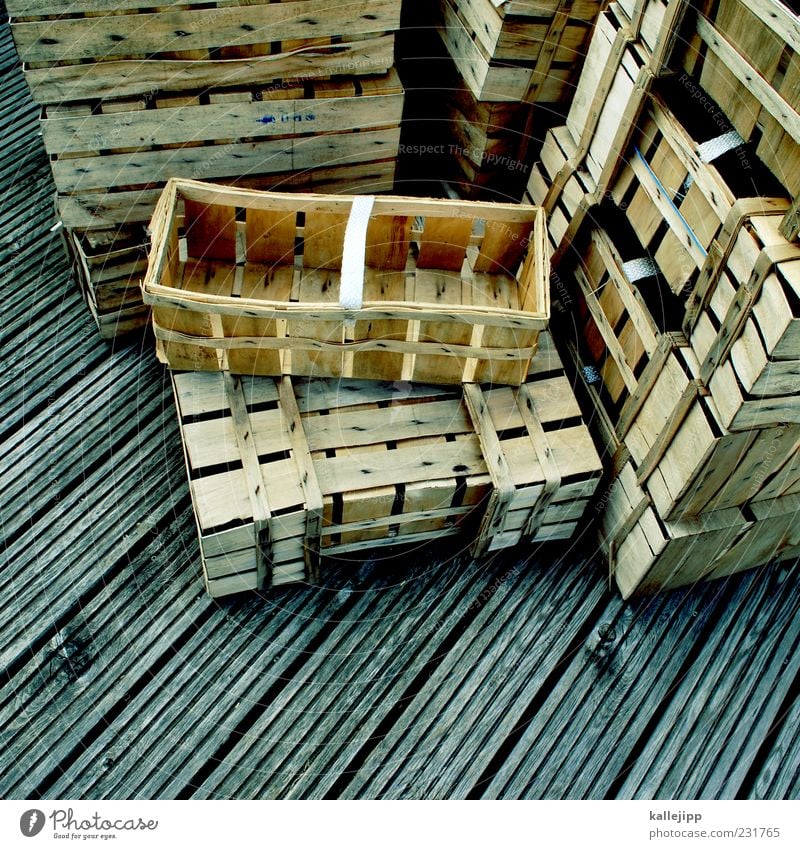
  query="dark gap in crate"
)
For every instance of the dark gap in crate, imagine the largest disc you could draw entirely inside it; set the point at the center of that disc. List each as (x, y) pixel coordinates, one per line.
(287, 511)
(784, 62)
(664, 306)
(263, 406)
(273, 456)
(240, 214)
(640, 366)
(716, 430)
(391, 445)
(623, 318)
(740, 168)
(399, 500)
(663, 229)
(562, 424)
(576, 477)
(790, 294)
(748, 514)
(215, 469)
(337, 512)
(545, 375)
(226, 526)
(458, 495)
(449, 437)
(512, 433)
(627, 199)
(205, 416)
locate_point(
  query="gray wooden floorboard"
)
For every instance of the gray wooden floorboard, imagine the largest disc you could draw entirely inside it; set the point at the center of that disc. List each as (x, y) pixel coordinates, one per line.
(441, 744)
(74, 684)
(221, 674)
(709, 733)
(778, 775)
(583, 733)
(360, 675)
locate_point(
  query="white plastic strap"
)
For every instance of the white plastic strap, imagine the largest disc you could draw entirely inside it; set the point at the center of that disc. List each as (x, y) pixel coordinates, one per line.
(709, 150)
(636, 269)
(351, 290)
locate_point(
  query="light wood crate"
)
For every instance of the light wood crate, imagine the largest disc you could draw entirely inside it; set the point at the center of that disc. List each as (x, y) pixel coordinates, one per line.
(109, 166)
(108, 266)
(745, 55)
(517, 50)
(698, 446)
(743, 318)
(648, 555)
(686, 458)
(288, 474)
(89, 49)
(452, 290)
(617, 74)
(688, 178)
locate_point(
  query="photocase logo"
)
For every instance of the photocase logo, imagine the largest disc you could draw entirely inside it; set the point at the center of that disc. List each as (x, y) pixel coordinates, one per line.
(31, 822)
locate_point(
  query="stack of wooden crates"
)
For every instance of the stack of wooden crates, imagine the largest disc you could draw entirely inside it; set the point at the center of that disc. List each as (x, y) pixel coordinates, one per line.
(295, 94)
(510, 70)
(672, 197)
(312, 430)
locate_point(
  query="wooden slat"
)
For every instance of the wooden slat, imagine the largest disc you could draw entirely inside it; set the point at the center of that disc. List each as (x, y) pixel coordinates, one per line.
(154, 32)
(754, 82)
(495, 459)
(256, 488)
(541, 446)
(443, 243)
(302, 456)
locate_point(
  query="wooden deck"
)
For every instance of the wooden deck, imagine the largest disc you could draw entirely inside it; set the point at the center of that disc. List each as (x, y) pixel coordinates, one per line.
(513, 678)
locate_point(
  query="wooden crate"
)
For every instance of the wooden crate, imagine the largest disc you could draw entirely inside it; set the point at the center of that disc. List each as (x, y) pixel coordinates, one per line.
(743, 316)
(617, 74)
(697, 445)
(485, 144)
(745, 55)
(623, 312)
(648, 555)
(557, 150)
(685, 458)
(285, 473)
(105, 49)
(250, 281)
(109, 266)
(685, 170)
(517, 50)
(108, 167)
(113, 209)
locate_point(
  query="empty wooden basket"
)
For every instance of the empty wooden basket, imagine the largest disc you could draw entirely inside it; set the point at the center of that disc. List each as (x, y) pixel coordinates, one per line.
(401, 289)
